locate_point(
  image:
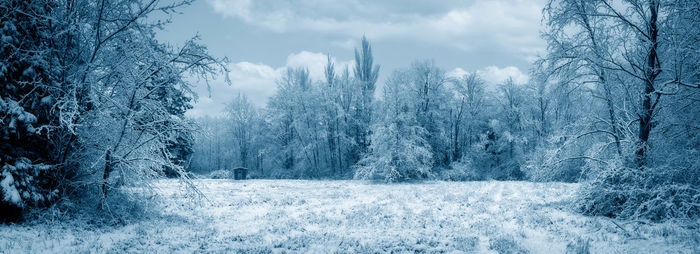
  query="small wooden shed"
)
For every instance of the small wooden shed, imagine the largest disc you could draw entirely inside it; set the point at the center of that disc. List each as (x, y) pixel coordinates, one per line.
(240, 173)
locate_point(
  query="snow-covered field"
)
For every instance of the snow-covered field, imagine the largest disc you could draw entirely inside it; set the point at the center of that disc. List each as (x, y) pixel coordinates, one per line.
(282, 216)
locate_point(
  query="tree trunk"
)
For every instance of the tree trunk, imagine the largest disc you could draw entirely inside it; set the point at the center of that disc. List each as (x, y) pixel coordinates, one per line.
(107, 171)
(611, 114)
(647, 109)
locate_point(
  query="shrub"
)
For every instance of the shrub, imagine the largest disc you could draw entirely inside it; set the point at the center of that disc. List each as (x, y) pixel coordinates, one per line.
(558, 158)
(656, 194)
(221, 174)
(462, 170)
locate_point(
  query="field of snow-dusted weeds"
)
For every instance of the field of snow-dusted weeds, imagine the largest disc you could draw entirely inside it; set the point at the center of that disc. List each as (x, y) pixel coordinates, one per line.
(280, 216)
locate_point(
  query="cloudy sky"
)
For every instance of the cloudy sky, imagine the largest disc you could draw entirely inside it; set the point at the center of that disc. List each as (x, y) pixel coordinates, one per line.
(497, 38)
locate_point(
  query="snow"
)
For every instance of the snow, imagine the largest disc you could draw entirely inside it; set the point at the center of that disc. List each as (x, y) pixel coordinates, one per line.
(9, 192)
(301, 216)
(17, 113)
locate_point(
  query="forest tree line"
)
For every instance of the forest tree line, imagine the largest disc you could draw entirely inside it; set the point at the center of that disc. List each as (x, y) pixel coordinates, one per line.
(423, 121)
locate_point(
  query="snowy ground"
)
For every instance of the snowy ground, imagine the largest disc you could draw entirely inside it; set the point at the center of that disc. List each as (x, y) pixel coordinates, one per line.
(281, 216)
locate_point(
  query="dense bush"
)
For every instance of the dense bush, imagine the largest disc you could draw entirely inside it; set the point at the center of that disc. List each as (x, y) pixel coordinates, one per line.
(655, 194)
(461, 170)
(556, 160)
(498, 155)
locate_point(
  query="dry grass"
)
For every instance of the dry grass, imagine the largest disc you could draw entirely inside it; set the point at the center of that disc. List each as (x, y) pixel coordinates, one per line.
(258, 216)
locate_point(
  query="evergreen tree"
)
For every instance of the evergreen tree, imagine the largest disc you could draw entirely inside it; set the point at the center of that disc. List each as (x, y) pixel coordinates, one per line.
(29, 91)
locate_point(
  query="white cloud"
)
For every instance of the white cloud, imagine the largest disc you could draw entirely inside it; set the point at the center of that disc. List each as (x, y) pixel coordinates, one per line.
(256, 80)
(315, 62)
(497, 75)
(457, 72)
(511, 25)
(494, 75)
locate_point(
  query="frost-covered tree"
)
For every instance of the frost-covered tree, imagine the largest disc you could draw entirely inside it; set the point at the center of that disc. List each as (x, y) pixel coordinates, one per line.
(427, 85)
(210, 151)
(366, 74)
(466, 112)
(555, 116)
(129, 127)
(292, 112)
(309, 128)
(498, 151)
(346, 97)
(181, 140)
(105, 99)
(580, 57)
(336, 98)
(399, 150)
(242, 115)
(634, 56)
